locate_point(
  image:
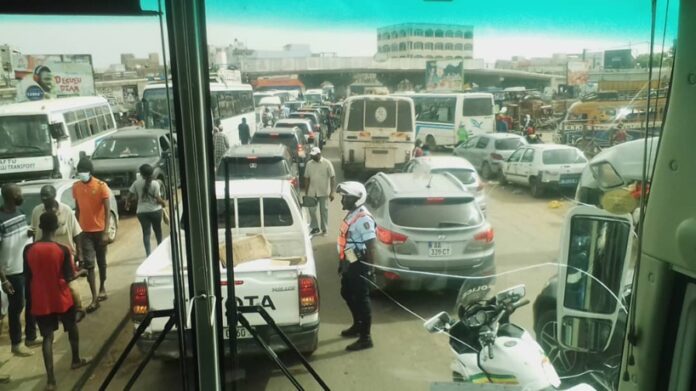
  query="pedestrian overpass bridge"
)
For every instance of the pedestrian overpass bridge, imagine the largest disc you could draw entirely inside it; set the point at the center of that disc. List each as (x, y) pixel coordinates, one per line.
(341, 71)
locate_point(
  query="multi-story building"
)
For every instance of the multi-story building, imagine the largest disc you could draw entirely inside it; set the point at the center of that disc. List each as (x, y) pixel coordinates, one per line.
(143, 66)
(426, 40)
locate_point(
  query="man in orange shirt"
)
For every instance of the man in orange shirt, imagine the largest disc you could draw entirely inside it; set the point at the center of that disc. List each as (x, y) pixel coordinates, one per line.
(92, 209)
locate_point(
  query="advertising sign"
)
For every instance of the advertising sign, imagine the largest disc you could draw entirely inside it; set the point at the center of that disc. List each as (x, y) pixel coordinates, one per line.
(578, 73)
(121, 97)
(54, 76)
(618, 59)
(441, 75)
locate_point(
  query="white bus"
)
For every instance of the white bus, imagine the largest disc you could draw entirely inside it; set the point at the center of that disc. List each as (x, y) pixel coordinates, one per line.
(228, 104)
(45, 139)
(447, 119)
(378, 132)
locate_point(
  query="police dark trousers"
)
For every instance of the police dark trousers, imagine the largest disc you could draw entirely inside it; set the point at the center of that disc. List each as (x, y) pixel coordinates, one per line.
(355, 290)
(16, 303)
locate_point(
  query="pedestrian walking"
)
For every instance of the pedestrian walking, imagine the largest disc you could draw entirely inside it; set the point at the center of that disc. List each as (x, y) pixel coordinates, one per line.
(93, 212)
(220, 144)
(320, 182)
(244, 132)
(67, 234)
(13, 236)
(356, 240)
(49, 269)
(148, 194)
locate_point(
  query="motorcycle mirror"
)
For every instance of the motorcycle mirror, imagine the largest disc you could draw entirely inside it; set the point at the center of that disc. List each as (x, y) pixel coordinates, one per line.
(511, 295)
(437, 323)
(592, 276)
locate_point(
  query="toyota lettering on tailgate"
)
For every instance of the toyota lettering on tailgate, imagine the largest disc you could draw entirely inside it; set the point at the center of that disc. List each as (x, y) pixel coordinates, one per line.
(266, 301)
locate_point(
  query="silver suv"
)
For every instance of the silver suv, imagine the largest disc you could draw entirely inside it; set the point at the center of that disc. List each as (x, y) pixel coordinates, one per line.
(428, 223)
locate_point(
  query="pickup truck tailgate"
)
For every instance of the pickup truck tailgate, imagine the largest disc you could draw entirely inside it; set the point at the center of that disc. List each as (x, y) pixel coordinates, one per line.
(276, 291)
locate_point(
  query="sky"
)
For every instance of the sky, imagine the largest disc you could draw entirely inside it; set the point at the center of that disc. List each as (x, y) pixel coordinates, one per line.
(348, 27)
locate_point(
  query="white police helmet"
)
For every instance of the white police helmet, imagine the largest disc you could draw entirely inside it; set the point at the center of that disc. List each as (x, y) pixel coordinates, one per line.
(355, 189)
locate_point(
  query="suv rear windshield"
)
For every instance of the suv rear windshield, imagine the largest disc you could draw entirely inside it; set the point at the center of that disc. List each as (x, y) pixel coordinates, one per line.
(287, 139)
(261, 167)
(435, 212)
(467, 177)
(302, 127)
(508, 144)
(562, 156)
(276, 213)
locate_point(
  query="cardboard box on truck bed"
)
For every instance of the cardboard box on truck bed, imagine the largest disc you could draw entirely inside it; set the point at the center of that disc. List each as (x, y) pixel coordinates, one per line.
(245, 249)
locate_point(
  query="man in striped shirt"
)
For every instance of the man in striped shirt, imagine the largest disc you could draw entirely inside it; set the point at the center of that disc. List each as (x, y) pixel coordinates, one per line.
(13, 236)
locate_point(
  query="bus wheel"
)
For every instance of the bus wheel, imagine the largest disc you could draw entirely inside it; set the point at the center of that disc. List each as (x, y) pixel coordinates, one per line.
(430, 140)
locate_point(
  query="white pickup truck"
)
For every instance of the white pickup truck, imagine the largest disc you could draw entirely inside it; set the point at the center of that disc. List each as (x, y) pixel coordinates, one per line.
(284, 284)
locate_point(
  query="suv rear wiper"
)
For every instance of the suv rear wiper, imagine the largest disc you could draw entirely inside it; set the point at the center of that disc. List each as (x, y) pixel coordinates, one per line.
(446, 224)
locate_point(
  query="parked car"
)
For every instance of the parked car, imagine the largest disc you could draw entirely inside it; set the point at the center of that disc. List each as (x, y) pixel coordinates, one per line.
(284, 284)
(261, 162)
(487, 152)
(459, 167)
(118, 157)
(305, 125)
(427, 224)
(544, 166)
(293, 138)
(31, 193)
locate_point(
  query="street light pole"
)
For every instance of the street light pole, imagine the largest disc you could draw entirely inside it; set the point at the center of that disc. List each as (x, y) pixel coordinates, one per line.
(189, 59)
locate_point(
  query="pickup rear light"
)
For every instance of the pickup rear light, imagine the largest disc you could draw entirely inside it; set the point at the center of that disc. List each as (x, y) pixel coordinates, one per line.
(293, 181)
(309, 295)
(390, 237)
(485, 236)
(496, 156)
(140, 303)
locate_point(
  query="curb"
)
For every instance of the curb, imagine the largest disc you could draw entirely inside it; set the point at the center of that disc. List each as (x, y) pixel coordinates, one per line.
(96, 360)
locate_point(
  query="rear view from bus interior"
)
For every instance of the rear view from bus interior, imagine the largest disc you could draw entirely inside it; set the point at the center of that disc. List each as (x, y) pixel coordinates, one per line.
(454, 194)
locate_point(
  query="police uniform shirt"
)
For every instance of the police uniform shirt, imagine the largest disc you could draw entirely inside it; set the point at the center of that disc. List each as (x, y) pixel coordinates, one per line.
(362, 230)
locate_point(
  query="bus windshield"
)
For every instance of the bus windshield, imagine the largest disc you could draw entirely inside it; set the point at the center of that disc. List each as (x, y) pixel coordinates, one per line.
(156, 111)
(474, 107)
(24, 135)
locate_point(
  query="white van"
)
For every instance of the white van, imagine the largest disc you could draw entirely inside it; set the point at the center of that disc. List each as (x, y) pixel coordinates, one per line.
(378, 132)
(45, 139)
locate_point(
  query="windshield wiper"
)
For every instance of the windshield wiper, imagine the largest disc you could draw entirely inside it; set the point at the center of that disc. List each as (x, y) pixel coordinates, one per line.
(446, 224)
(34, 147)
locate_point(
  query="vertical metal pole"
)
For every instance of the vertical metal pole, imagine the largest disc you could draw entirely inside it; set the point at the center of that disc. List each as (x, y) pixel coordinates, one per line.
(189, 59)
(231, 303)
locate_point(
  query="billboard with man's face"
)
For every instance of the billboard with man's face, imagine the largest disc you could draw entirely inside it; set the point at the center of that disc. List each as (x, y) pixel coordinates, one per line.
(54, 76)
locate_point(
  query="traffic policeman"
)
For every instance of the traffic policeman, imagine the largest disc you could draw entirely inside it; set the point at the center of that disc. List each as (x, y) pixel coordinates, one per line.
(356, 240)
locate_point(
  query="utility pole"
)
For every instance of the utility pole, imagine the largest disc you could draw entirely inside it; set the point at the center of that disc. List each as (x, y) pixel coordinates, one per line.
(189, 54)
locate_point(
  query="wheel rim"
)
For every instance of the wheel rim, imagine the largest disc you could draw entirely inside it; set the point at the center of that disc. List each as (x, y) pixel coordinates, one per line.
(563, 360)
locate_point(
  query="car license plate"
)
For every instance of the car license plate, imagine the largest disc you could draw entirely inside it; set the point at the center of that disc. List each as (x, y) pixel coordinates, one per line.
(242, 333)
(439, 249)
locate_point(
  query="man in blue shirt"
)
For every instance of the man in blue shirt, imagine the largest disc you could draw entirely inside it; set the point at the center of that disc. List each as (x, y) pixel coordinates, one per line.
(356, 240)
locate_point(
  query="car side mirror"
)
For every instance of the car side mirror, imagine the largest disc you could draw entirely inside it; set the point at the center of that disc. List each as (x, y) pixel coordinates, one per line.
(309, 202)
(595, 253)
(437, 323)
(57, 131)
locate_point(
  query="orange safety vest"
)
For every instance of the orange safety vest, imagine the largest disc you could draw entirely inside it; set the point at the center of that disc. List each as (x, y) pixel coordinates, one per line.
(343, 233)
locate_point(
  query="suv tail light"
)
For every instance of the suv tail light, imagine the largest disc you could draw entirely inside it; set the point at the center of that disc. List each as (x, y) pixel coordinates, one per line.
(140, 303)
(496, 156)
(309, 295)
(485, 236)
(390, 237)
(293, 181)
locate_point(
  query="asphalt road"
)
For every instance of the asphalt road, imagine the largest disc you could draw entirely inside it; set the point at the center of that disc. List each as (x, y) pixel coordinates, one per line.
(405, 356)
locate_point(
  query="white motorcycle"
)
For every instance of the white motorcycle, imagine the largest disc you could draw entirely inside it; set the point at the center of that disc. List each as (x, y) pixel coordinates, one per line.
(490, 349)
